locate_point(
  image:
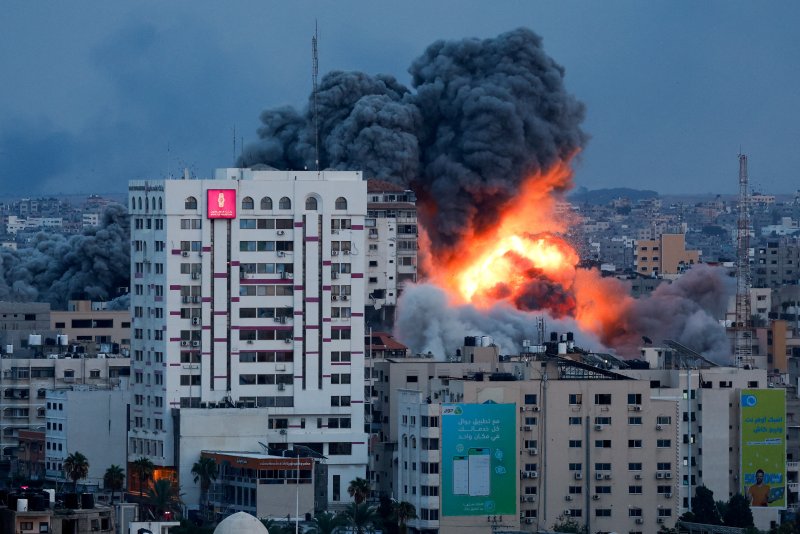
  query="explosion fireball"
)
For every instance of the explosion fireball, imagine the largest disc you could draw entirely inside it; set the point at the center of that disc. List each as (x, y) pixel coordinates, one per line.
(485, 136)
(523, 261)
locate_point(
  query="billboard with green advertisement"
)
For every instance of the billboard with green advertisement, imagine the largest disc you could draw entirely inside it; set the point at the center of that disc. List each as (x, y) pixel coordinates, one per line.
(763, 446)
(479, 459)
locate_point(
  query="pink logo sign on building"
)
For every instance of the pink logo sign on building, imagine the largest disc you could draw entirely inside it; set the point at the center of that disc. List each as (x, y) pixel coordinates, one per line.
(221, 203)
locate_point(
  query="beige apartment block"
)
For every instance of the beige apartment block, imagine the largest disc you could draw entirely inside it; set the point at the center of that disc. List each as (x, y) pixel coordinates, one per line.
(88, 322)
(666, 255)
(593, 445)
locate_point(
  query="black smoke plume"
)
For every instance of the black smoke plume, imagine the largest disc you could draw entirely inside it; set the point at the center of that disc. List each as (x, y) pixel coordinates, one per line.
(56, 268)
(481, 117)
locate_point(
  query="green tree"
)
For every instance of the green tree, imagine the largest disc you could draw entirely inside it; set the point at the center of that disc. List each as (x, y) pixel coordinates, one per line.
(143, 468)
(114, 479)
(325, 522)
(737, 512)
(568, 524)
(76, 467)
(403, 511)
(360, 517)
(386, 521)
(275, 527)
(205, 471)
(704, 509)
(359, 490)
(162, 497)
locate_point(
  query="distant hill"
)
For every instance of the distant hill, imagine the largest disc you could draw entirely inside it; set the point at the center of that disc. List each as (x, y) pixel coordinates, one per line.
(604, 196)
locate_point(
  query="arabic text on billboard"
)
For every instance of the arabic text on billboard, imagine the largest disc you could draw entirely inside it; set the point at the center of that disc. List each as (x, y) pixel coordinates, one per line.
(763, 447)
(479, 459)
(221, 203)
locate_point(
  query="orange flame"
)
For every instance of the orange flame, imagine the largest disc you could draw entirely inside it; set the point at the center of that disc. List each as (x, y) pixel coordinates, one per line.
(522, 260)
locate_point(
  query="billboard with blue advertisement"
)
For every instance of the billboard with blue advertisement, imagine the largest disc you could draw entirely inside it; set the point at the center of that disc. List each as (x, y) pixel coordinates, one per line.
(479, 459)
(763, 446)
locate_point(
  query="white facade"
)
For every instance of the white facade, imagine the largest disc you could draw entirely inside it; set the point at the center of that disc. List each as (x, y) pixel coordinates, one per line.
(26, 381)
(239, 312)
(392, 235)
(90, 421)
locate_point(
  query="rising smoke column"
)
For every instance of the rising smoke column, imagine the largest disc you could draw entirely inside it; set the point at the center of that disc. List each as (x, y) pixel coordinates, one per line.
(484, 136)
(483, 116)
(55, 268)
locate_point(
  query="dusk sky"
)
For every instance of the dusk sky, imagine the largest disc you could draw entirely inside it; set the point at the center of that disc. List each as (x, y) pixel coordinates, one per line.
(94, 94)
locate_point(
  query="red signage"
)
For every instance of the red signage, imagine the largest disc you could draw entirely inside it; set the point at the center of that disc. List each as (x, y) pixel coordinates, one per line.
(221, 203)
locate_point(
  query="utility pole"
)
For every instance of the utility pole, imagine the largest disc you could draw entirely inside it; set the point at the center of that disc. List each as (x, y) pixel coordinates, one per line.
(743, 331)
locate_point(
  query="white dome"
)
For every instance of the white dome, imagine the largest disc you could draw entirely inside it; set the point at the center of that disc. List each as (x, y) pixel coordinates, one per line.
(241, 523)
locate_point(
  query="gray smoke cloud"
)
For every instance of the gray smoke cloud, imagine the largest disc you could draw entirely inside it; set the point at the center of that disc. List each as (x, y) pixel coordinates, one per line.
(56, 268)
(481, 117)
(686, 311)
(427, 322)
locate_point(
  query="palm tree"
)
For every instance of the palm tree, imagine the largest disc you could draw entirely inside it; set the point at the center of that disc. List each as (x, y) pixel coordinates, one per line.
(359, 490)
(143, 468)
(205, 471)
(114, 480)
(403, 511)
(76, 467)
(325, 522)
(162, 496)
(360, 517)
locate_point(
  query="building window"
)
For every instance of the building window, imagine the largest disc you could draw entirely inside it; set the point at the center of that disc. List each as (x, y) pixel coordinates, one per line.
(266, 203)
(311, 204)
(634, 444)
(664, 443)
(602, 398)
(190, 203)
(574, 443)
(341, 203)
(285, 203)
(575, 398)
(340, 449)
(634, 398)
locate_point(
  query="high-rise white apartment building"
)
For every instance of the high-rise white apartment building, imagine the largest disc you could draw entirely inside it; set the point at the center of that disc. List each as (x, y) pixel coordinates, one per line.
(240, 305)
(392, 243)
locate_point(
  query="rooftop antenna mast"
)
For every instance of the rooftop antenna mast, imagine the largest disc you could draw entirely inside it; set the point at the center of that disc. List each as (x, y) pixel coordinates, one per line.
(314, 78)
(743, 330)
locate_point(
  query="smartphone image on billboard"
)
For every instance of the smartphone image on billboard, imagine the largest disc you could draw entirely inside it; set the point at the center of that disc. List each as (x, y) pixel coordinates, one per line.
(480, 471)
(460, 475)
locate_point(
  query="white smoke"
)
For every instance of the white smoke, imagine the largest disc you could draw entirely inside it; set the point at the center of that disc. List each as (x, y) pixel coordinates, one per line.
(428, 322)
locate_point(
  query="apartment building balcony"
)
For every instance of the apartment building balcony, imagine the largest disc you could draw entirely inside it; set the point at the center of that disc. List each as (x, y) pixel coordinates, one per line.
(792, 466)
(794, 487)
